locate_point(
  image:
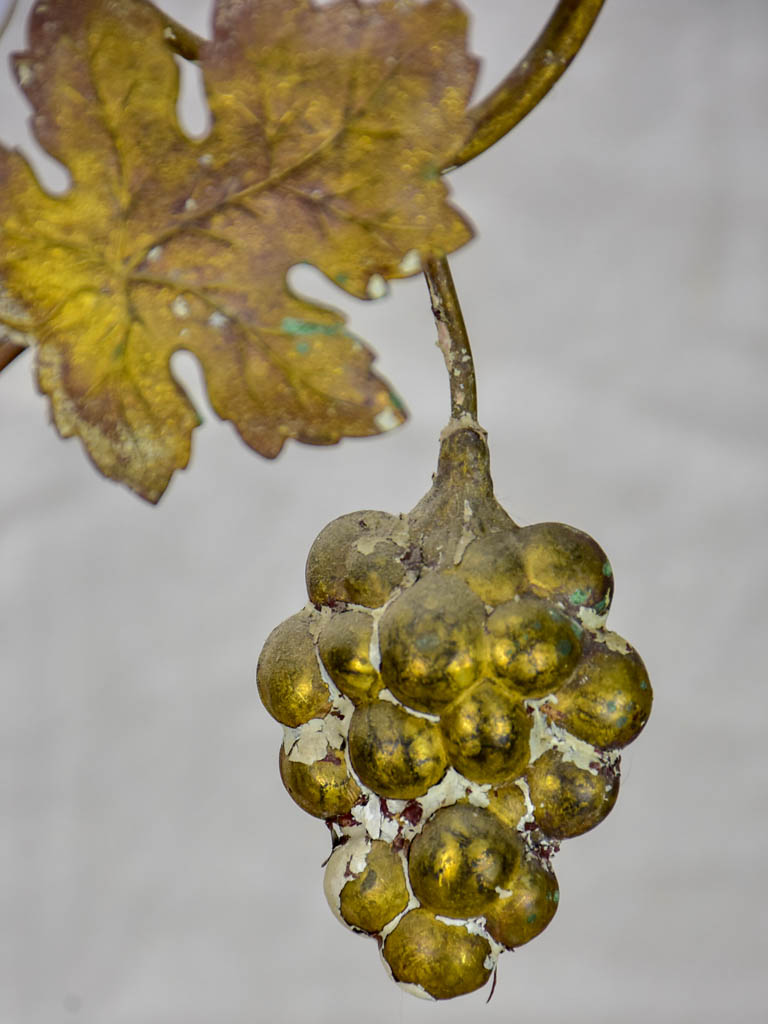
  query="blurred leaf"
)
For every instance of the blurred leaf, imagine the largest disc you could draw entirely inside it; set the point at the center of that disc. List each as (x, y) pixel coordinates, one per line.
(330, 128)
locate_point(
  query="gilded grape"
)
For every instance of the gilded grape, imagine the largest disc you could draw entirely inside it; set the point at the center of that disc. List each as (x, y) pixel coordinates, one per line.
(395, 753)
(452, 708)
(486, 733)
(443, 959)
(431, 639)
(458, 860)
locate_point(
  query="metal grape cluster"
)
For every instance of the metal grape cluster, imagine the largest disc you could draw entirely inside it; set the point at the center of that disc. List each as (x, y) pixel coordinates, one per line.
(453, 708)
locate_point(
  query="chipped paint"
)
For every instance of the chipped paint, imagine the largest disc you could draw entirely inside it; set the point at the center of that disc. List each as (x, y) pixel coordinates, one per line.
(25, 73)
(467, 534)
(349, 858)
(545, 735)
(399, 821)
(614, 642)
(591, 619)
(386, 420)
(377, 287)
(411, 262)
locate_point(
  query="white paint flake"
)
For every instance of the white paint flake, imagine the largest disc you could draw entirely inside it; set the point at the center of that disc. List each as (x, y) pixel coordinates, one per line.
(217, 319)
(613, 641)
(311, 741)
(25, 72)
(180, 307)
(591, 619)
(377, 287)
(154, 254)
(545, 735)
(386, 420)
(410, 263)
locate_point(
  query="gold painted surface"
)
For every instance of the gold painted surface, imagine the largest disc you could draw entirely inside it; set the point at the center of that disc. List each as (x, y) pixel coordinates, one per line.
(288, 676)
(486, 733)
(493, 568)
(459, 858)
(330, 128)
(533, 646)
(530, 905)
(567, 565)
(438, 524)
(507, 803)
(432, 642)
(355, 560)
(378, 894)
(323, 789)
(395, 753)
(569, 800)
(445, 960)
(344, 645)
(608, 700)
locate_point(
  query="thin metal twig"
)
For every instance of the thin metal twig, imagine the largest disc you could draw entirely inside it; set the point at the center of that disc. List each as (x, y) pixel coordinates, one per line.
(182, 40)
(452, 338)
(8, 352)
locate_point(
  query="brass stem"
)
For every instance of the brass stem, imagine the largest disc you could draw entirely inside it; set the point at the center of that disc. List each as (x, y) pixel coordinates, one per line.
(452, 338)
(530, 81)
(181, 40)
(8, 352)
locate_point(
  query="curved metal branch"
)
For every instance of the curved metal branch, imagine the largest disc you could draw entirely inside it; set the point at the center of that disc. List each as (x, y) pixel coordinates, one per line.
(560, 40)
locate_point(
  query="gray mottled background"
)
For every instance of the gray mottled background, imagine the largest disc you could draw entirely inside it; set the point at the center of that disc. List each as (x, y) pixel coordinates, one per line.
(152, 870)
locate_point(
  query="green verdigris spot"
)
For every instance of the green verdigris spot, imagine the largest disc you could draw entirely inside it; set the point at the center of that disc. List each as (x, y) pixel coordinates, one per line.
(579, 597)
(292, 325)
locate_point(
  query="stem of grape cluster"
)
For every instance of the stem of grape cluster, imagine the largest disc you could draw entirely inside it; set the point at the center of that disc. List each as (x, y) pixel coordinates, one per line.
(452, 339)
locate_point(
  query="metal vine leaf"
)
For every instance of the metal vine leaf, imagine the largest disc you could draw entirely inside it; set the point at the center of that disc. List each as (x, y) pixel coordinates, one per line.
(330, 128)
